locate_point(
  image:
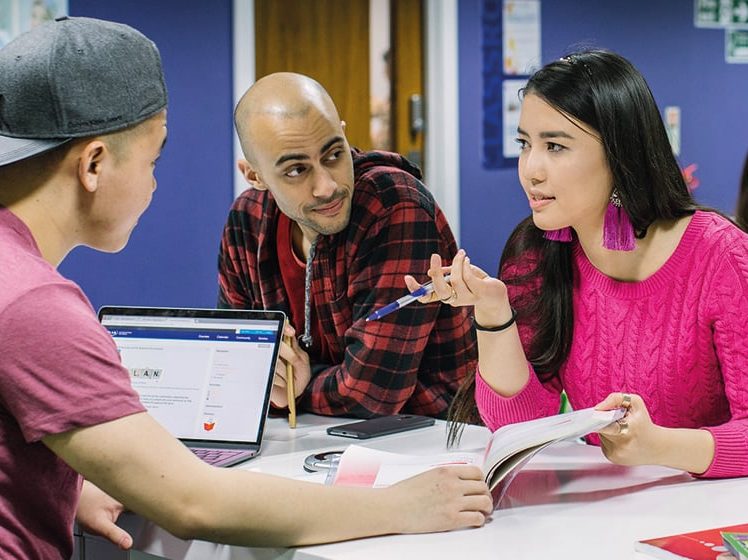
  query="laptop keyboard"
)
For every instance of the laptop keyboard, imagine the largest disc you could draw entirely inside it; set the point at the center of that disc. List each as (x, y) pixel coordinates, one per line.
(216, 456)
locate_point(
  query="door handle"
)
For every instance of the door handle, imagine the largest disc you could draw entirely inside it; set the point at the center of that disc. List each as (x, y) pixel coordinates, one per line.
(415, 106)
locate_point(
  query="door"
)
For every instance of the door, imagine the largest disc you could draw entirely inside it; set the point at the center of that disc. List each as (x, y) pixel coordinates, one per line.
(408, 94)
(329, 40)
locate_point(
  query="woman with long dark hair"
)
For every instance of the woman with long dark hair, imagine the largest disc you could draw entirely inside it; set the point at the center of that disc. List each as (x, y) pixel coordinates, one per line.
(618, 289)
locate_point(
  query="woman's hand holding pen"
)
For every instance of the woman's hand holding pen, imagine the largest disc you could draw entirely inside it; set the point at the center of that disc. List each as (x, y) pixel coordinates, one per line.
(501, 359)
(299, 359)
(468, 285)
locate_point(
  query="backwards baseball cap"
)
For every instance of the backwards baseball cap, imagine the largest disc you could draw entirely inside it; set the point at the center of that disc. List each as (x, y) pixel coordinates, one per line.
(72, 78)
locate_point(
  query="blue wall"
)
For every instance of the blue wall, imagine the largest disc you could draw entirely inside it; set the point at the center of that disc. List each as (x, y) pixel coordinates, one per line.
(171, 257)
(684, 66)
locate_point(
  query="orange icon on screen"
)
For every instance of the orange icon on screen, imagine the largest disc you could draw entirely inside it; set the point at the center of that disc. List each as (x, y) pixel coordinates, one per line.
(208, 426)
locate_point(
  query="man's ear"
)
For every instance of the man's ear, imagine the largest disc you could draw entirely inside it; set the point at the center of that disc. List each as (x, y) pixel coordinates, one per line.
(90, 164)
(250, 175)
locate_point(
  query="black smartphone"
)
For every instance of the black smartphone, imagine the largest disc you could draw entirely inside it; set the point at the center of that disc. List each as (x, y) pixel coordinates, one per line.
(365, 429)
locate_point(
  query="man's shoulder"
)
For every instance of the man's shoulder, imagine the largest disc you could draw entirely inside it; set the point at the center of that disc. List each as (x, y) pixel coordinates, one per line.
(250, 201)
(389, 179)
(252, 212)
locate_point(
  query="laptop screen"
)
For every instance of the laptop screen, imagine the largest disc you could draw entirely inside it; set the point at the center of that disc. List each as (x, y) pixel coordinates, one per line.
(203, 374)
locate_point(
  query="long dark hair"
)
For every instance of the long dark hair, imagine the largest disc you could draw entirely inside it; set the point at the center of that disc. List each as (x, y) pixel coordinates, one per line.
(606, 93)
(741, 212)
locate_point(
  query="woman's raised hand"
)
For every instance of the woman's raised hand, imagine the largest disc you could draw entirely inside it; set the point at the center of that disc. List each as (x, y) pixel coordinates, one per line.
(467, 285)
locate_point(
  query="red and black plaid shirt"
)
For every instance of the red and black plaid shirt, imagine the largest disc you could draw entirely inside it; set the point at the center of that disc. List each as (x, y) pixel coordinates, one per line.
(412, 360)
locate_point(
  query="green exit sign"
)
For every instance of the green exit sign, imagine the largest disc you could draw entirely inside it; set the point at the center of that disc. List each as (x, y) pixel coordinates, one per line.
(736, 46)
(721, 13)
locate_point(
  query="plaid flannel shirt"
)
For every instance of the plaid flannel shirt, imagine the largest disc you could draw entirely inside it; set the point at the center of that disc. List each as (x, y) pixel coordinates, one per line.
(410, 361)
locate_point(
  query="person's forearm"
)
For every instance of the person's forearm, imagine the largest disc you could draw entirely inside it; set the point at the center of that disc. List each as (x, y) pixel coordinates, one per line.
(246, 508)
(191, 500)
(501, 358)
(333, 391)
(287, 513)
(684, 449)
(347, 395)
(368, 381)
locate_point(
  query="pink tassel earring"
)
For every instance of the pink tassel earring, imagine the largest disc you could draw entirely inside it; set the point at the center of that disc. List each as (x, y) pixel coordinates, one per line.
(563, 234)
(618, 233)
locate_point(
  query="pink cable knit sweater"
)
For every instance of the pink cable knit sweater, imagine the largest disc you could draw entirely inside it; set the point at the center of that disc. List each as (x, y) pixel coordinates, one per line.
(679, 339)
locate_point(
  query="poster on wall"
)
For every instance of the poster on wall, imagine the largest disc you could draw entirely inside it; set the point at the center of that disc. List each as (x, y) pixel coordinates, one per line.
(17, 16)
(510, 47)
(521, 36)
(510, 116)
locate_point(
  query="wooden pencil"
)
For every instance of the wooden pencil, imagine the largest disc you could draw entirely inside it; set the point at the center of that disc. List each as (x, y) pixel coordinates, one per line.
(290, 390)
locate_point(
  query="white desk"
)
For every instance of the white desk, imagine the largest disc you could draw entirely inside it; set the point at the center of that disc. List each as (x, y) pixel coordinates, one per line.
(569, 502)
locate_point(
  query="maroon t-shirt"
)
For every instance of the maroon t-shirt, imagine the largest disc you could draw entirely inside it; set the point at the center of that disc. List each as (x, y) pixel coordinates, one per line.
(59, 370)
(293, 273)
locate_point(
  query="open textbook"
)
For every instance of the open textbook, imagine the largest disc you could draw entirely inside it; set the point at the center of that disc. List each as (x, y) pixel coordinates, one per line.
(507, 450)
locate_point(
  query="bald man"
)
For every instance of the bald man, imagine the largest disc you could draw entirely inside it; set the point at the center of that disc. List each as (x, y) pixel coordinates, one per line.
(326, 233)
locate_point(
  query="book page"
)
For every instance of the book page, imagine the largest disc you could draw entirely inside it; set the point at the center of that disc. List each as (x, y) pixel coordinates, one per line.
(363, 466)
(509, 439)
(508, 450)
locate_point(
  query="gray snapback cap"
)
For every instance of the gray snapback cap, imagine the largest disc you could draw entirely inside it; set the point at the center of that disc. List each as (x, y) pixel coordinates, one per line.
(72, 78)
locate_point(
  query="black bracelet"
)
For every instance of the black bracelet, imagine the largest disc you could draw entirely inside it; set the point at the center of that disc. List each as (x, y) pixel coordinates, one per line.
(509, 323)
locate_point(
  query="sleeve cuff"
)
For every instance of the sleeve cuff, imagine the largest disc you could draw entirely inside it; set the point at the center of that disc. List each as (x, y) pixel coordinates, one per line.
(532, 401)
(730, 451)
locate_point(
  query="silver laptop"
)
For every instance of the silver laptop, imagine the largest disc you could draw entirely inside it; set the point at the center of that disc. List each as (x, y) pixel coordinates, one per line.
(204, 374)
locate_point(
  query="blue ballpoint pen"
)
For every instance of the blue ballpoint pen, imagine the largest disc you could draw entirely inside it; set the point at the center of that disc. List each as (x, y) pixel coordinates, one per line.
(403, 301)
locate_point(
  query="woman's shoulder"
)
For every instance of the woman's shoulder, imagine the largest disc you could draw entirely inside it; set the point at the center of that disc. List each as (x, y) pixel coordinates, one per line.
(717, 233)
(720, 243)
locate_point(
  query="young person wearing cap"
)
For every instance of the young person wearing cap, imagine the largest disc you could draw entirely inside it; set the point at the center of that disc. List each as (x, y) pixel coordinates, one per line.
(82, 123)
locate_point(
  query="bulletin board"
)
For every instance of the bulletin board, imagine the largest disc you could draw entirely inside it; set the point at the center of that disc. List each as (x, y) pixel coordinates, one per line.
(511, 52)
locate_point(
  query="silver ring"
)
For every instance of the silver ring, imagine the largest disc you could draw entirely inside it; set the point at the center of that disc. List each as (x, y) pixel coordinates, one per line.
(623, 427)
(626, 401)
(451, 297)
